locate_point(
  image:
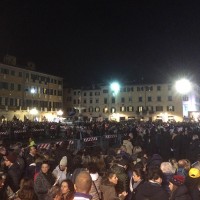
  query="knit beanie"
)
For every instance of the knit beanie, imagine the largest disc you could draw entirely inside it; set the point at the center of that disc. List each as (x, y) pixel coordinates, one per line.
(194, 173)
(177, 180)
(63, 161)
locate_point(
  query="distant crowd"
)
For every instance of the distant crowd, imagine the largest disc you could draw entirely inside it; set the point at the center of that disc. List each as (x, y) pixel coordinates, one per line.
(154, 161)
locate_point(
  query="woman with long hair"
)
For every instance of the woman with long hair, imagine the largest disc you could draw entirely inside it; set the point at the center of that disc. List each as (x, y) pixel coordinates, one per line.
(66, 190)
(108, 187)
(26, 191)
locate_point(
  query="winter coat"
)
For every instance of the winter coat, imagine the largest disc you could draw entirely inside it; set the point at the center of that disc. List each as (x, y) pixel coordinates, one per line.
(57, 173)
(95, 191)
(123, 179)
(109, 192)
(181, 193)
(135, 190)
(129, 146)
(13, 178)
(42, 184)
(194, 150)
(151, 191)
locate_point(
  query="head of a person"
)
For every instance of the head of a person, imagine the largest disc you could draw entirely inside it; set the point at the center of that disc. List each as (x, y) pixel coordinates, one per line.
(26, 183)
(176, 181)
(167, 168)
(63, 163)
(10, 159)
(45, 167)
(83, 182)
(66, 186)
(137, 149)
(92, 168)
(155, 174)
(184, 163)
(194, 173)
(138, 174)
(112, 177)
(123, 148)
(33, 150)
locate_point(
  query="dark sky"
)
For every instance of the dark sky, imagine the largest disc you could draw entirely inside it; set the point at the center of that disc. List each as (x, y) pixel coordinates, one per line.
(90, 41)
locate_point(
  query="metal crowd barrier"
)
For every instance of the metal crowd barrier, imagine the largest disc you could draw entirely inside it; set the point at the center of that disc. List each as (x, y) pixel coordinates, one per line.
(104, 142)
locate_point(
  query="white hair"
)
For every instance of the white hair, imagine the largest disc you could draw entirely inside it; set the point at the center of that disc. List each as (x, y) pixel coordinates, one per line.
(167, 167)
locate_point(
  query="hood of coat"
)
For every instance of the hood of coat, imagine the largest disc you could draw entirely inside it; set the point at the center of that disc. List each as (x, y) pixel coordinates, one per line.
(94, 176)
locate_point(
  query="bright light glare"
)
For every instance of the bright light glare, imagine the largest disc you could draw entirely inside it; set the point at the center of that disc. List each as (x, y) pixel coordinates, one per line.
(183, 86)
(60, 113)
(33, 91)
(115, 87)
(34, 111)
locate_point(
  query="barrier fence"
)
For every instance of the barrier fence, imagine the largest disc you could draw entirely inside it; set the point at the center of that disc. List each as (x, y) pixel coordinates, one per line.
(77, 144)
(104, 141)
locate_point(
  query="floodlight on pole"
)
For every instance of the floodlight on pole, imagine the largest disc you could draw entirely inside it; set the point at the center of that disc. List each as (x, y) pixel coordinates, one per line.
(183, 86)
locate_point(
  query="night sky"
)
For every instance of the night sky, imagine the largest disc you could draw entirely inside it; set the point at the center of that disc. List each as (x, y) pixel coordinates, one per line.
(96, 41)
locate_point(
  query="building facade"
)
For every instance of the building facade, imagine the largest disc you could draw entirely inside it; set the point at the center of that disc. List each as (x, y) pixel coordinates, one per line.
(29, 94)
(144, 102)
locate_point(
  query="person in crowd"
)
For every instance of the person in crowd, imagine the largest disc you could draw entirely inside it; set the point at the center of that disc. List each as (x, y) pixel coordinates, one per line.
(183, 167)
(13, 172)
(3, 190)
(168, 172)
(136, 181)
(60, 172)
(193, 183)
(178, 188)
(66, 190)
(95, 191)
(108, 187)
(129, 146)
(30, 161)
(152, 188)
(26, 191)
(83, 183)
(44, 181)
(31, 142)
(120, 169)
(194, 148)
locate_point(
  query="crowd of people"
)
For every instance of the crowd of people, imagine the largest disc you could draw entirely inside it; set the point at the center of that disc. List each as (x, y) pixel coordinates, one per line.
(154, 161)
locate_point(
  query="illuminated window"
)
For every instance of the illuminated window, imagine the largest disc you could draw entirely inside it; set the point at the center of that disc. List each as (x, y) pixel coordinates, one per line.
(130, 108)
(113, 110)
(97, 109)
(123, 109)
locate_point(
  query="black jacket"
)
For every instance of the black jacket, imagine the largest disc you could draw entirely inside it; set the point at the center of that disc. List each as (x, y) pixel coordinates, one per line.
(151, 191)
(181, 193)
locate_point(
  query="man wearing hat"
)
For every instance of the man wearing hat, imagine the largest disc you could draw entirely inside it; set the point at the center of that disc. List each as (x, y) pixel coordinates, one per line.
(60, 172)
(178, 188)
(193, 183)
(13, 171)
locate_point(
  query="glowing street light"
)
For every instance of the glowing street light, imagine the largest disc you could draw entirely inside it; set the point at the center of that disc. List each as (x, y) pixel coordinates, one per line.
(60, 113)
(183, 86)
(115, 87)
(33, 91)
